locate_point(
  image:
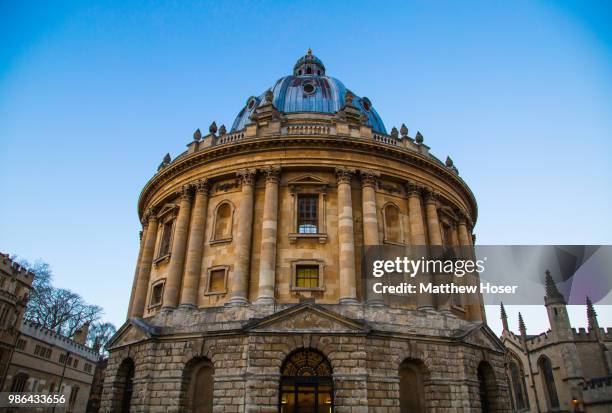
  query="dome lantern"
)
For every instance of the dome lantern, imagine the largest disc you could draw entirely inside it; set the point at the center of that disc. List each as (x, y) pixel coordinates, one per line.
(309, 65)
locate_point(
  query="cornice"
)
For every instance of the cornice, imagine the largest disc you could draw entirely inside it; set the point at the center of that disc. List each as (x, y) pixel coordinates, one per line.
(343, 143)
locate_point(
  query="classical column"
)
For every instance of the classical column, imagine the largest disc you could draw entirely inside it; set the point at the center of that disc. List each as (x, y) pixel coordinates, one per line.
(240, 281)
(144, 270)
(415, 212)
(370, 218)
(141, 242)
(417, 239)
(435, 246)
(474, 301)
(346, 238)
(267, 256)
(191, 281)
(179, 245)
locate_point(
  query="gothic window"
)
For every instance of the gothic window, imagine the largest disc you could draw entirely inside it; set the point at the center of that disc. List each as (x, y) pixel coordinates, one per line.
(166, 239)
(411, 387)
(223, 222)
(306, 383)
(157, 293)
(19, 383)
(217, 280)
(73, 396)
(519, 389)
(308, 220)
(548, 381)
(198, 385)
(393, 227)
(307, 275)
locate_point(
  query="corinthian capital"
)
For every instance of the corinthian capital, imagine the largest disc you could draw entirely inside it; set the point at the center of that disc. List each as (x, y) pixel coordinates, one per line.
(150, 215)
(413, 189)
(344, 175)
(246, 176)
(201, 186)
(368, 178)
(185, 192)
(431, 196)
(272, 173)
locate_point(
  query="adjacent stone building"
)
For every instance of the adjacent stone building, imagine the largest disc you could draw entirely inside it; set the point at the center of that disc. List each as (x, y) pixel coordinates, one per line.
(563, 369)
(248, 293)
(15, 285)
(47, 362)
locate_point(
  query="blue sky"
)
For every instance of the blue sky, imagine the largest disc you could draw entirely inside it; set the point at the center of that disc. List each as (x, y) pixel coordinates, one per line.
(92, 95)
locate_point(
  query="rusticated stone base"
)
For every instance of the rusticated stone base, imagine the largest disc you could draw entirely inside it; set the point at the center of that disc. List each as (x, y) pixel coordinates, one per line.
(364, 345)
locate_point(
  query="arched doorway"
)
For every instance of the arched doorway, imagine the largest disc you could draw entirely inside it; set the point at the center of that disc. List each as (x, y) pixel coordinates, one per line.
(306, 383)
(487, 387)
(124, 386)
(412, 389)
(198, 386)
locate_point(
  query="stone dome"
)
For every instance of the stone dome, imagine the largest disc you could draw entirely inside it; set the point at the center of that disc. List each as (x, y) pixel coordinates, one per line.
(309, 90)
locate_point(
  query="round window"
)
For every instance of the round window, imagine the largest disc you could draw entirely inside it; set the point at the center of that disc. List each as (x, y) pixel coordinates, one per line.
(251, 104)
(309, 88)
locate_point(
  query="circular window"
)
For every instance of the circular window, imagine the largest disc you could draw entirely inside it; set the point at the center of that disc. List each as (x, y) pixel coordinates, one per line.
(251, 104)
(365, 102)
(309, 88)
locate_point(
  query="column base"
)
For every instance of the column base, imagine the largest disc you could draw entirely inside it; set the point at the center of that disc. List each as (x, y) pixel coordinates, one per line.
(349, 300)
(427, 308)
(237, 302)
(375, 303)
(448, 313)
(186, 306)
(264, 301)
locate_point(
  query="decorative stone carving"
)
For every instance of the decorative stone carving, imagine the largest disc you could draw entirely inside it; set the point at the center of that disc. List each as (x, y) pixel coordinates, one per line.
(213, 128)
(343, 175)
(269, 96)
(222, 130)
(165, 162)
(418, 138)
(202, 186)
(272, 173)
(197, 135)
(348, 98)
(404, 131)
(394, 133)
(246, 176)
(368, 178)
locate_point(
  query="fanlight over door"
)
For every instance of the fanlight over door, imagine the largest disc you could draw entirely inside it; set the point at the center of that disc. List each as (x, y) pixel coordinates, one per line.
(306, 383)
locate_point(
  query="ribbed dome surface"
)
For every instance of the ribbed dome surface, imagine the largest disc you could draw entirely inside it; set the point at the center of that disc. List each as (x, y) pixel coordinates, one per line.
(309, 93)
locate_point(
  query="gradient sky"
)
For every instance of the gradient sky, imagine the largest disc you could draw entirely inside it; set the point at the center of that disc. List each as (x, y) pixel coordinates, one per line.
(92, 96)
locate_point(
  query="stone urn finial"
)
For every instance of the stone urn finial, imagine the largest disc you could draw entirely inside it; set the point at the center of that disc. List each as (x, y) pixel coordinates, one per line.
(449, 162)
(404, 131)
(269, 96)
(213, 128)
(197, 135)
(418, 138)
(222, 130)
(394, 133)
(348, 98)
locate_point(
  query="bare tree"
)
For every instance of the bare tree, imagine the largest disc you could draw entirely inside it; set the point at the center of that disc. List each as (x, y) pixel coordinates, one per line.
(57, 309)
(99, 335)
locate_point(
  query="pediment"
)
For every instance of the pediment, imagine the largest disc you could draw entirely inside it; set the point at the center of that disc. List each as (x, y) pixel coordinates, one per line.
(132, 331)
(168, 208)
(307, 318)
(307, 180)
(482, 336)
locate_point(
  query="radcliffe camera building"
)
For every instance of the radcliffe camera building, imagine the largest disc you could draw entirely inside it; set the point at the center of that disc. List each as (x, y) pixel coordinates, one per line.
(248, 293)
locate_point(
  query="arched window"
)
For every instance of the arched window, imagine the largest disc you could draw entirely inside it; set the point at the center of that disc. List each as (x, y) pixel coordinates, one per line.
(393, 229)
(487, 387)
(123, 386)
(306, 383)
(223, 222)
(19, 383)
(519, 389)
(198, 385)
(411, 389)
(548, 382)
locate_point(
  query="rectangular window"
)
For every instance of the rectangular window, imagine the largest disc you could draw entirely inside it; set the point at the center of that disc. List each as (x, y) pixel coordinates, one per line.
(76, 363)
(216, 283)
(21, 344)
(87, 368)
(157, 294)
(308, 221)
(73, 396)
(62, 358)
(164, 248)
(307, 276)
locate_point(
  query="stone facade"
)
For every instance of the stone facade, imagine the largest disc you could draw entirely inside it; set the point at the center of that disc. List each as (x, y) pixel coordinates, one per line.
(15, 285)
(250, 258)
(563, 369)
(47, 362)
